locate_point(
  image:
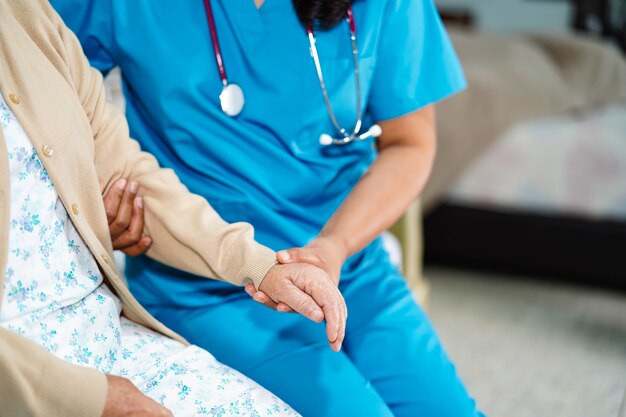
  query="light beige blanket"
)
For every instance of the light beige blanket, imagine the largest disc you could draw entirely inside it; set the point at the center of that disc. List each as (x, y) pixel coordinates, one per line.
(516, 79)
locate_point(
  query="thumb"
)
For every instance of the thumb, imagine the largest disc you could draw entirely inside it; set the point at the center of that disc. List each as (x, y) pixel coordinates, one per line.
(298, 255)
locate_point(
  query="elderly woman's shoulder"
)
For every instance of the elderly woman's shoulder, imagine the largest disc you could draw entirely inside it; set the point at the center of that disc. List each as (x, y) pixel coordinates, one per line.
(33, 15)
(33, 25)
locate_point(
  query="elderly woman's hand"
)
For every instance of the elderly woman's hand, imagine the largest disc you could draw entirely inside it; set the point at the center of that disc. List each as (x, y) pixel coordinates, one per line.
(125, 400)
(124, 210)
(309, 291)
(324, 252)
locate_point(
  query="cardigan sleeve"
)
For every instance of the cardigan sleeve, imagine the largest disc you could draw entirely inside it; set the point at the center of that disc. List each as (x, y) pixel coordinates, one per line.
(91, 21)
(187, 232)
(35, 383)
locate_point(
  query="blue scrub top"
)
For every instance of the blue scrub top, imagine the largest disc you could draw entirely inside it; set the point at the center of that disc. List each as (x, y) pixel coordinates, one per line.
(266, 166)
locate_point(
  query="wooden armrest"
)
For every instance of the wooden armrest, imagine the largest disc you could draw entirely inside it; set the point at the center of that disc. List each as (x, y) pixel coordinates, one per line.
(408, 230)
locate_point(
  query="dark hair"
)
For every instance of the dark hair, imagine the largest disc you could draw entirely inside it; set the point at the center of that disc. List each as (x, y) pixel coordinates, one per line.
(325, 13)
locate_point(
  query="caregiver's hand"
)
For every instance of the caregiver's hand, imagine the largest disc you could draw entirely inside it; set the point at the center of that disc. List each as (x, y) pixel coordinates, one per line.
(124, 210)
(125, 400)
(311, 292)
(324, 252)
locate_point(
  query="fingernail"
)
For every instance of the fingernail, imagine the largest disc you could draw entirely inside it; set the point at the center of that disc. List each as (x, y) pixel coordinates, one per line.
(317, 315)
(139, 202)
(134, 187)
(121, 184)
(284, 255)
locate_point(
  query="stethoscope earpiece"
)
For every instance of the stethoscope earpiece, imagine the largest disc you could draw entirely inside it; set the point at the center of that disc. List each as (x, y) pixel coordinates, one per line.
(375, 131)
(326, 139)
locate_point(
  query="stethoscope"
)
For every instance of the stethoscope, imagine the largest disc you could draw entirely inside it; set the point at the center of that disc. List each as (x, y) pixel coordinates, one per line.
(232, 99)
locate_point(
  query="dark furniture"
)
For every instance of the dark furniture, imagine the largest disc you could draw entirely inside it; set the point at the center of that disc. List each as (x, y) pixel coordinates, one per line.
(605, 18)
(584, 251)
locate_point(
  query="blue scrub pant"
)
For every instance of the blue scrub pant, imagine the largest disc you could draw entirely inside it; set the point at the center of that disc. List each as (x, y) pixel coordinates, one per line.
(392, 362)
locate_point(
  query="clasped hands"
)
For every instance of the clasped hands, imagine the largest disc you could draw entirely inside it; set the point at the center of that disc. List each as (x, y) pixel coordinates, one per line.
(305, 280)
(323, 258)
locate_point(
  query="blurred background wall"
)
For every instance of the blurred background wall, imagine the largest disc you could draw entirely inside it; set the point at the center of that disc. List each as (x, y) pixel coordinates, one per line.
(511, 16)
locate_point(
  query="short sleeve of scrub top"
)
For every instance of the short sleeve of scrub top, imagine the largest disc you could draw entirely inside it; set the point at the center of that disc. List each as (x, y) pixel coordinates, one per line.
(416, 63)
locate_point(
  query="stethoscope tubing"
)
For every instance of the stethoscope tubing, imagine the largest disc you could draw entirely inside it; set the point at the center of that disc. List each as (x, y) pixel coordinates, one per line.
(347, 136)
(232, 98)
(215, 41)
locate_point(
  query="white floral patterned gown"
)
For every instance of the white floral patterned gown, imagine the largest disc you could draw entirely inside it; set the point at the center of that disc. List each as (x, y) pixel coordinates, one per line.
(54, 295)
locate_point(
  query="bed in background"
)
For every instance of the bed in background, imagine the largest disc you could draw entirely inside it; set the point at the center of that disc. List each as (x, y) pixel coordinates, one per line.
(531, 170)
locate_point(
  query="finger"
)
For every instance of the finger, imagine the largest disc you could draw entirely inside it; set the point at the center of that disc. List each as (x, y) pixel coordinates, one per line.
(132, 235)
(302, 303)
(157, 409)
(250, 289)
(164, 412)
(261, 298)
(266, 300)
(113, 198)
(124, 213)
(341, 334)
(329, 298)
(140, 248)
(284, 308)
(298, 255)
(149, 405)
(127, 240)
(135, 228)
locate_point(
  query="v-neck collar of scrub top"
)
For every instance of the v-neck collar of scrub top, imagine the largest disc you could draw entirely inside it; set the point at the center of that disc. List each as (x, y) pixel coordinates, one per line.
(247, 20)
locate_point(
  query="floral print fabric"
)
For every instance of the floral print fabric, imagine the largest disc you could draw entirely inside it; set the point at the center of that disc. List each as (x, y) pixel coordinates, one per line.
(54, 295)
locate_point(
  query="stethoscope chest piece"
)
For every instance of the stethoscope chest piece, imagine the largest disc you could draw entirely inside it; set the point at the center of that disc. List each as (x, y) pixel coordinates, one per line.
(232, 99)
